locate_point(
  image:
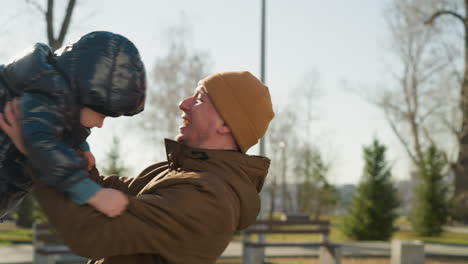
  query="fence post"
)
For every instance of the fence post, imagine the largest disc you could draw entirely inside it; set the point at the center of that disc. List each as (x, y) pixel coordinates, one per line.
(329, 255)
(251, 255)
(407, 252)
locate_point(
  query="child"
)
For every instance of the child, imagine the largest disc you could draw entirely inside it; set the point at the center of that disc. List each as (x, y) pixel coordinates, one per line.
(61, 96)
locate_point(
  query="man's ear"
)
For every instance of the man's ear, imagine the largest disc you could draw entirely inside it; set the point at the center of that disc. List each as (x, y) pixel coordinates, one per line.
(224, 129)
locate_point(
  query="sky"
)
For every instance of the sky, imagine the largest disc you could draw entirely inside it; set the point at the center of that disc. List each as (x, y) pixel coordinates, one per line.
(343, 41)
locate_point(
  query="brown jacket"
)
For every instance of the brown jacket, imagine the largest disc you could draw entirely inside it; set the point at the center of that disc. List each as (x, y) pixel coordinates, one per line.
(185, 210)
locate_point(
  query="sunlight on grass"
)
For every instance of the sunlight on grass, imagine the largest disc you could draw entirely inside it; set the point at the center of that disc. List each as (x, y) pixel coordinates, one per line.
(336, 235)
(9, 233)
(345, 260)
(445, 237)
(20, 235)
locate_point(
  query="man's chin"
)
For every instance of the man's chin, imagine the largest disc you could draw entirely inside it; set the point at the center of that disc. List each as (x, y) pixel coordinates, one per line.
(180, 138)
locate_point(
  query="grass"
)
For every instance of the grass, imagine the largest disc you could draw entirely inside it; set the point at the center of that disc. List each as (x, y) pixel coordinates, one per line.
(10, 234)
(337, 236)
(445, 237)
(344, 260)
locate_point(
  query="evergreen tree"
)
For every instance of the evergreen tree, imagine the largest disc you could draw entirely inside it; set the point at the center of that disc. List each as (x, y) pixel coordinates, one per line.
(431, 195)
(373, 206)
(24, 212)
(114, 163)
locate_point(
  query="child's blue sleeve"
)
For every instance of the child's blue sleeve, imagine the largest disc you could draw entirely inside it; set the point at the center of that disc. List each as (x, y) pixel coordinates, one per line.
(85, 146)
(81, 191)
(57, 163)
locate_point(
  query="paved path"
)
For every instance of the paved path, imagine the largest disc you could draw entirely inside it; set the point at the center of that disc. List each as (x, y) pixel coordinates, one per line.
(16, 254)
(23, 253)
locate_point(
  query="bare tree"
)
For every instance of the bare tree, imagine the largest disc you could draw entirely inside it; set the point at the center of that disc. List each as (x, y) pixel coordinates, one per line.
(311, 171)
(458, 10)
(48, 13)
(303, 99)
(410, 105)
(288, 131)
(313, 193)
(174, 77)
(282, 141)
(272, 188)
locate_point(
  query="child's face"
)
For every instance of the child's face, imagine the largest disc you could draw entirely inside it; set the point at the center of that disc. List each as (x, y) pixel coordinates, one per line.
(90, 118)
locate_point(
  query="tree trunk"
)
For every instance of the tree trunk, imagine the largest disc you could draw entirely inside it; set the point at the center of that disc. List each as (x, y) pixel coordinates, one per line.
(49, 17)
(284, 187)
(273, 189)
(461, 165)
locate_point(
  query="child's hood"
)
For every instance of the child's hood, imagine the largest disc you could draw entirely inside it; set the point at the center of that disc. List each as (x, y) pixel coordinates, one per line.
(106, 71)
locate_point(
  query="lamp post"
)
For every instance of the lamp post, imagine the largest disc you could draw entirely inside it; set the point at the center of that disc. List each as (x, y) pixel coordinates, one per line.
(262, 66)
(261, 237)
(250, 255)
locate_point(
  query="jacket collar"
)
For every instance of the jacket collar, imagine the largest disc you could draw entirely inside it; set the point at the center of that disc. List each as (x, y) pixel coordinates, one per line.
(182, 157)
(244, 174)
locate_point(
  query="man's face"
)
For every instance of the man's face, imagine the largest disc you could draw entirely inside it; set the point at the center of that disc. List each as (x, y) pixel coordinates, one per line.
(201, 121)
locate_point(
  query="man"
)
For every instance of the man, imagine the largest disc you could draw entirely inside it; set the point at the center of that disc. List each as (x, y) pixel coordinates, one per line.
(184, 210)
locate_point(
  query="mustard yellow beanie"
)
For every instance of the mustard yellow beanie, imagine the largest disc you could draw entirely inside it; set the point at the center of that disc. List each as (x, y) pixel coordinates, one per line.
(243, 102)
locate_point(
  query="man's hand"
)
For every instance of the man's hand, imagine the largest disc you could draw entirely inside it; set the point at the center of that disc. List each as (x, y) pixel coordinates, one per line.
(90, 160)
(10, 124)
(108, 201)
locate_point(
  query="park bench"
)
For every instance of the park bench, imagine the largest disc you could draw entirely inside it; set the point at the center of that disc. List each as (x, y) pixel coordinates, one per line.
(253, 251)
(294, 217)
(49, 249)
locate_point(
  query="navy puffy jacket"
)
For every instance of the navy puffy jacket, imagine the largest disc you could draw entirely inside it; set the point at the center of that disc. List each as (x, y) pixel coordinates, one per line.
(102, 71)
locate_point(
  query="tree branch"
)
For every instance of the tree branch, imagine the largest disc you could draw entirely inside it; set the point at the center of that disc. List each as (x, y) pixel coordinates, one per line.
(451, 61)
(428, 136)
(37, 5)
(66, 22)
(450, 127)
(50, 22)
(432, 70)
(423, 117)
(386, 104)
(444, 154)
(400, 137)
(431, 20)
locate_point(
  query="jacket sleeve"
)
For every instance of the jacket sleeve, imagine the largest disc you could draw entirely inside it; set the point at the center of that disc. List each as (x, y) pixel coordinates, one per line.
(85, 146)
(128, 185)
(81, 191)
(166, 222)
(57, 163)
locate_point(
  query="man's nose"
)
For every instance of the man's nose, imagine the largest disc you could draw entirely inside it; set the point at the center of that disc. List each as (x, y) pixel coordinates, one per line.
(185, 104)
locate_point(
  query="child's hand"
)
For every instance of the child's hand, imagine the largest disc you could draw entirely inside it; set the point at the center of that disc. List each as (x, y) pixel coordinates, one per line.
(108, 201)
(90, 160)
(10, 124)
